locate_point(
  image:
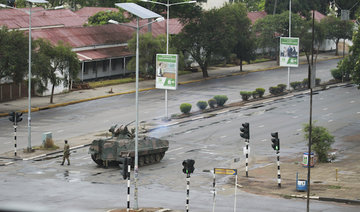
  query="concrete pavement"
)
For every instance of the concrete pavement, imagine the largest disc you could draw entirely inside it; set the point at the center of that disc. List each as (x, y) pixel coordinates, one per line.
(73, 97)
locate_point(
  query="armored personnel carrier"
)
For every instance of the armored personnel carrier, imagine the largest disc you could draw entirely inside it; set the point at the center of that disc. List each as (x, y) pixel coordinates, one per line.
(108, 151)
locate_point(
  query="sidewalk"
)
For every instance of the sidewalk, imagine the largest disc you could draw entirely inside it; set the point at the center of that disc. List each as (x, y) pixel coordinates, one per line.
(73, 97)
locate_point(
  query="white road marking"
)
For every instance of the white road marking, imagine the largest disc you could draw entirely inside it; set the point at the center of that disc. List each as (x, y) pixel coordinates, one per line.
(193, 119)
(299, 130)
(261, 126)
(330, 120)
(352, 101)
(60, 131)
(325, 108)
(329, 114)
(225, 111)
(268, 101)
(295, 117)
(223, 136)
(190, 131)
(175, 149)
(358, 112)
(264, 140)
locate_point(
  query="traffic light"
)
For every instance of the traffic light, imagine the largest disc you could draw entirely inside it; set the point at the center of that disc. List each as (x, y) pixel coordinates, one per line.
(275, 141)
(12, 116)
(188, 166)
(245, 130)
(123, 164)
(18, 117)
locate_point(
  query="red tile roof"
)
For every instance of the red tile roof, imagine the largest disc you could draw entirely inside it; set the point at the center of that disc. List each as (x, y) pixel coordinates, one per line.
(90, 11)
(86, 36)
(318, 16)
(254, 16)
(107, 53)
(19, 18)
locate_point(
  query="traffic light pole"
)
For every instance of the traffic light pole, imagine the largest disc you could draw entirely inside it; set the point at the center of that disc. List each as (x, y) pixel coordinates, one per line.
(128, 188)
(187, 191)
(15, 142)
(247, 157)
(278, 168)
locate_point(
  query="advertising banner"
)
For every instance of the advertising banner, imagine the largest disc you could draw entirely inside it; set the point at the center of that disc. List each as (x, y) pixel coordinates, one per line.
(166, 71)
(289, 52)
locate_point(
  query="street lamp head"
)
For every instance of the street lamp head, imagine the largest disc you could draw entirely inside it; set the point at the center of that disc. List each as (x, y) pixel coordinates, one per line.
(3, 5)
(59, 7)
(191, 2)
(145, 0)
(113, 22)
(37, 1)
(159, 19)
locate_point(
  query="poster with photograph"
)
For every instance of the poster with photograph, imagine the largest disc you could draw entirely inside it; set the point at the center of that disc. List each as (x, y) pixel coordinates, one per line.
(289, 52)
(166, 71)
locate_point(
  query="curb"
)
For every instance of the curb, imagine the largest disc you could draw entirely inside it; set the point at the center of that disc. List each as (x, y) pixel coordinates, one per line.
(329, 199)
(42, 155)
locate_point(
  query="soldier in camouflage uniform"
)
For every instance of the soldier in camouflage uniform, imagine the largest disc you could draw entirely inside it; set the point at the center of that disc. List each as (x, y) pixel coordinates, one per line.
(66, 153)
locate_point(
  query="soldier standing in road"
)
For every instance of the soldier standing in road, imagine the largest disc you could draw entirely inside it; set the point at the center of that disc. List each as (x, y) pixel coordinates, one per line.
(66, 153)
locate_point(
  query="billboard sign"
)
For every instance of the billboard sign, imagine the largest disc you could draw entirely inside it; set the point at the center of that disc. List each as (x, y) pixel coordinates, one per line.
(289, 52)
(167, 71)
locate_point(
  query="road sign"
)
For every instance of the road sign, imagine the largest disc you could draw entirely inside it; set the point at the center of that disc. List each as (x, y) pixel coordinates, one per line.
(225, 171)
(289, 52)
(166, 71)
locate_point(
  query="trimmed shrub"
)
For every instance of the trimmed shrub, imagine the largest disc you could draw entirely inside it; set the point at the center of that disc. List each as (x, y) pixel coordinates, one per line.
(185, 108)
(336, 74)
(281, 88)
(254, 94)
(245, 95)
(305, 83)
(274, 90)
(295, 85)
(202, 105)
(220, 99)
(260, 91)
(212, 103)
(317, 81)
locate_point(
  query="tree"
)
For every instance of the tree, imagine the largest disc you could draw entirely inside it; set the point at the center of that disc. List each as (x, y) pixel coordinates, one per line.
(235, 20)
(54, 64)
(306, 38)
(13, 54)
(148, 48)
(339, 30)
(351, 62)
(255, 5)
(297, 6)
(202, 38)
(103, 17)
(321, 140)
(271, 27)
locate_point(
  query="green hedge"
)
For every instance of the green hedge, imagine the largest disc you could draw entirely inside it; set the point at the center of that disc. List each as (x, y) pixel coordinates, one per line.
(185, 108)
(212, 103)
(260, 91)
(245, 95)
(202, 105)
(220, 99)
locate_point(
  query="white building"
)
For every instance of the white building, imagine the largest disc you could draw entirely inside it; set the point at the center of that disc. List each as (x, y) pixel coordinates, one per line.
(214, 4)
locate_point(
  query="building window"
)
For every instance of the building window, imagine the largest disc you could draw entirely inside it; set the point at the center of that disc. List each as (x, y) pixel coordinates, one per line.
(105, 65)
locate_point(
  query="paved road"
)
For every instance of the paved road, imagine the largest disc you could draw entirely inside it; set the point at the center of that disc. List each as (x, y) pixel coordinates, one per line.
(212, 142)
(82, 118)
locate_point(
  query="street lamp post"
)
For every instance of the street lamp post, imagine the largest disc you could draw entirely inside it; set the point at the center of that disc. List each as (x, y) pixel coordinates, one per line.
(31, 2)
(143, 13)
(167, 37)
